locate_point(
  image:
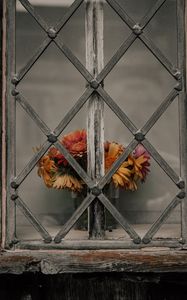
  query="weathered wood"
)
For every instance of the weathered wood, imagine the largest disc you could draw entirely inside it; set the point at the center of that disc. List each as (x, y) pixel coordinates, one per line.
(1, 93)
(10, 170)
(57, 262)
(95, 121)
(182, 38)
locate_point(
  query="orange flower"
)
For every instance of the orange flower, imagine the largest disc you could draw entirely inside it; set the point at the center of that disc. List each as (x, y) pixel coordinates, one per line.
(67, 181)
(123, 176)
(75, 142)
(46, 169)
(112, 152)
(59, 174)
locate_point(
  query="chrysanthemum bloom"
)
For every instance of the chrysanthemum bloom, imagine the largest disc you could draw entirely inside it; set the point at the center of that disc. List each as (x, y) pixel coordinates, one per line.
(67, 181)
(76, 143)
(123, 176)
(141, 162)
(46, 169)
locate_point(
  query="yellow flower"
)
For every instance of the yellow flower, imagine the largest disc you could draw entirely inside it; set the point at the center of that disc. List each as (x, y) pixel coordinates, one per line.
(69, 182)
(46, 169)
(139, 165)
(123, 176)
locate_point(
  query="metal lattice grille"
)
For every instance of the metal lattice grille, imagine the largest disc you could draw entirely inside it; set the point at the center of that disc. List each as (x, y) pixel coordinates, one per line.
(95, 86)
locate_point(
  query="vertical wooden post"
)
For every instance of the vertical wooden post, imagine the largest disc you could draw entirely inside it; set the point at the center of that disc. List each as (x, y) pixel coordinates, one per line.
(9, 102)
(95, 120)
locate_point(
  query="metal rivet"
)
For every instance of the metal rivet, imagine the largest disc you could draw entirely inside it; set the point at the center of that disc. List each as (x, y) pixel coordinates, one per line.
(94, 84)
(181, 195)
(137, 240)
(96, 191)
(177, 74)
(48, 240)
(15, 241)
(14, 197)
(182, 241)
(57, 240)
(14, 92)
(14, 185)
(137, 29)
(178, 86)
(139, 136)
(14, 80)
(52, 138)
(146, 240)
(52, 33)
(181, 184)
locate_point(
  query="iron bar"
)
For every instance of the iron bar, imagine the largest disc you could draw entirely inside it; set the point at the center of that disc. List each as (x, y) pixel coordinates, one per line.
(121, 13)
(148, 16)
(103, 181)
(116, 57)
(160, 221)
(74, 218)
(74, 60)
(101, 244)
(161, 162)
(73, 111)
(75, 165)
(118, 217)
(160, 110)
(33, 59)
(33, 220)
(32, 163)
(26, 4)
(146, 41)
(71, 10)
(117, 110)
(31, 112)
(158, 54)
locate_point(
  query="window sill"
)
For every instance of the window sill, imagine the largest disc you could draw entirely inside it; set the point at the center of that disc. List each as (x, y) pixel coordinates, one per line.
(160, 260)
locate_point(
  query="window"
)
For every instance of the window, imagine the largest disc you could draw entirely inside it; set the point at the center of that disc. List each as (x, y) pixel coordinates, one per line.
(137, 83)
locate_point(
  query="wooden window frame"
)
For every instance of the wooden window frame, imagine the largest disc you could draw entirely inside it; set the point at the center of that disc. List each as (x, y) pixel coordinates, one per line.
(96, 90)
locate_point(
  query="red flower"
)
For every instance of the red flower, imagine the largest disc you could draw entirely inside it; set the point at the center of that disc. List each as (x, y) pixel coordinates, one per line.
(142, 158)
(53, 152)
(61, 160)
(75, 142)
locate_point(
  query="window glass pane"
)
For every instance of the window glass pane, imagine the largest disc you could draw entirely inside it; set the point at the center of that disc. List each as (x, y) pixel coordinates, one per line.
(138, 84)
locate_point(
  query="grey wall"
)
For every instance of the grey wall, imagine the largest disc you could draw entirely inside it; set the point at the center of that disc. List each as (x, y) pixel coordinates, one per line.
(138, 84)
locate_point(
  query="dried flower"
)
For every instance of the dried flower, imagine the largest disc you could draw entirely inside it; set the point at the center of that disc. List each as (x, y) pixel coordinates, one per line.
(75, 142)
(47, 169)
(58, 173)
(68, 182)
(141, 162)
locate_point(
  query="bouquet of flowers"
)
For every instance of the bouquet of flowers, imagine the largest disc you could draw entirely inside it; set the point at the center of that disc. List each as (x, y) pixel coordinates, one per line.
(57, 172)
